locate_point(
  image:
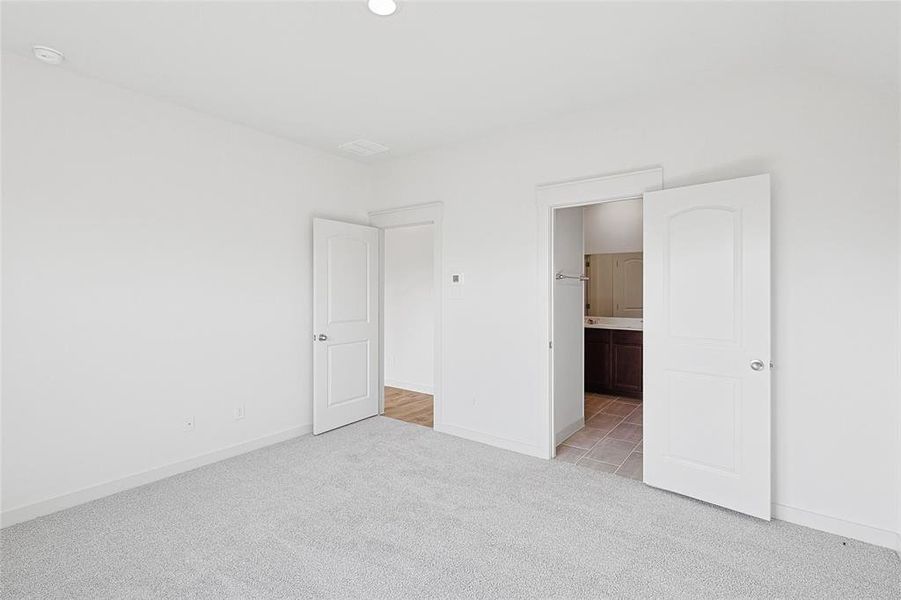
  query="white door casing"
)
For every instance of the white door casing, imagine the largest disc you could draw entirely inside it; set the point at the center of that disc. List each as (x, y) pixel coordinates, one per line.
(345, 323)
(707, 342)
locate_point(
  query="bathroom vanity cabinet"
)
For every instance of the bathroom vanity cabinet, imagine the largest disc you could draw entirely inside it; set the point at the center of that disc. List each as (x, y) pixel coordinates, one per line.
(613, 361)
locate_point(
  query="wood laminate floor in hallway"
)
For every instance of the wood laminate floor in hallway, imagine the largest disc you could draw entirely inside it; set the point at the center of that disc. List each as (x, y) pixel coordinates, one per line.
(412, 407)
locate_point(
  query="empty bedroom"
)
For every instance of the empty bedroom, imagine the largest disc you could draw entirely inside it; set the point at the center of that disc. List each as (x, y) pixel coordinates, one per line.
(450, 299)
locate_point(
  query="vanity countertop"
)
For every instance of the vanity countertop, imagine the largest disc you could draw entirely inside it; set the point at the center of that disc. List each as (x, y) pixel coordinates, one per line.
(613, 323)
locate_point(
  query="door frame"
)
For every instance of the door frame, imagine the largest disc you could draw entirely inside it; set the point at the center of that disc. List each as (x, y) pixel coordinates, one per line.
(407, 216)
(565, 194)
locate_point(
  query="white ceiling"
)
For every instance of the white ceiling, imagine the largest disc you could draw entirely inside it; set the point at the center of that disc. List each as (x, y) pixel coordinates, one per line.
(324, 73)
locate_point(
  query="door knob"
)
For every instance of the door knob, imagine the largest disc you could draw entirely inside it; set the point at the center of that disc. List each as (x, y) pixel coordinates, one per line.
(757, 365)
(322, 337)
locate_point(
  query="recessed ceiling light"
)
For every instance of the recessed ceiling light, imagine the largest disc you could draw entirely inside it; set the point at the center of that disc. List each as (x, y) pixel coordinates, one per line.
(383, 8)
(48, 55)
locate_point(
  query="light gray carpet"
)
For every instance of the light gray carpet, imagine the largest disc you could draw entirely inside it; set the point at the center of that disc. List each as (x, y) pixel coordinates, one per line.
(384, 509)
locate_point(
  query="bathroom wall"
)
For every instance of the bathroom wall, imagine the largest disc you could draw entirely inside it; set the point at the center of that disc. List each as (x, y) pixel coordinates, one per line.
(613, 227)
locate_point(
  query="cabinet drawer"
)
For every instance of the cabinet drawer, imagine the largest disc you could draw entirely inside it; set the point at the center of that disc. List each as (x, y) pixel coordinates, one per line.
(597, 335)
(626, 338)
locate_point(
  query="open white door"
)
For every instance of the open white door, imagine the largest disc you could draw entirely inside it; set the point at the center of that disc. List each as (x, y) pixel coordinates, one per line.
(345, 323)
(707, 342)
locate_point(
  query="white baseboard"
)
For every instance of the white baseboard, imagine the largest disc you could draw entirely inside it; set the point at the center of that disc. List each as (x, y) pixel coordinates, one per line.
(491, 440)
(848, 529)
(45, 507)
(413, 387)
(567, 431)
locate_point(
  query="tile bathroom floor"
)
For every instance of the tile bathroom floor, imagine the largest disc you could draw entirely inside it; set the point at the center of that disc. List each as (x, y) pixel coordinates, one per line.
(611, 438)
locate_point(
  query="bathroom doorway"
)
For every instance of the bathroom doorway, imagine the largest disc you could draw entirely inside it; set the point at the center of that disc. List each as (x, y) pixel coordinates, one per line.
(605, 433)
(705, 337)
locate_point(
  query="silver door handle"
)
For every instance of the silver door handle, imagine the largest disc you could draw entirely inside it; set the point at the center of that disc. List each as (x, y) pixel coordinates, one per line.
(321, 337)
(757, 365)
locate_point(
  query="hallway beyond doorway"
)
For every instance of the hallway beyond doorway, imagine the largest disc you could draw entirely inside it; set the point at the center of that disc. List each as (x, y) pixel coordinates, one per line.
(409, 406)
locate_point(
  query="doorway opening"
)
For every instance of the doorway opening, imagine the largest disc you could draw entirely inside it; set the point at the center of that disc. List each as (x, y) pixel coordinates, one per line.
(411, 325)
(408, 323)
(600, 298)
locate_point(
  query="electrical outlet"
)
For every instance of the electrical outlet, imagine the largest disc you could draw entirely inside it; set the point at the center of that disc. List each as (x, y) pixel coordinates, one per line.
(188, 423)
(239, 412)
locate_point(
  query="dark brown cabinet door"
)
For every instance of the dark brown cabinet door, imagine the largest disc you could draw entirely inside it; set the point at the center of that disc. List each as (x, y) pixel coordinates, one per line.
(613, 362)
(597, 360)
(626, 358)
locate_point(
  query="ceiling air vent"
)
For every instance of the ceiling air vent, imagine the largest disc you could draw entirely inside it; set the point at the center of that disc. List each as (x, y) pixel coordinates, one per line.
(363, 147)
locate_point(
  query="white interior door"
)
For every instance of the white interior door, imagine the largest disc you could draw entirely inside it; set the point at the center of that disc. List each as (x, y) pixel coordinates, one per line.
(707, 342)
(569, 303)
(345, 323)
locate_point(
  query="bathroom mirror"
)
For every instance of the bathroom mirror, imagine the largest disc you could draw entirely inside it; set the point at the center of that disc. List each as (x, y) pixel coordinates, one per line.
(614, 287)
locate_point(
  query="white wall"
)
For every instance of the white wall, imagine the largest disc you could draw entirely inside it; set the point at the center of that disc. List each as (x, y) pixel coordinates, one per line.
(613, 227)
(898, 482)
(409, 308)
(156, 264)
(831, 147)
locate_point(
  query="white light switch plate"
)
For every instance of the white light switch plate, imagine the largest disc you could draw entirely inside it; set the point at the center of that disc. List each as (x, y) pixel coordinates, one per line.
(456, 286)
